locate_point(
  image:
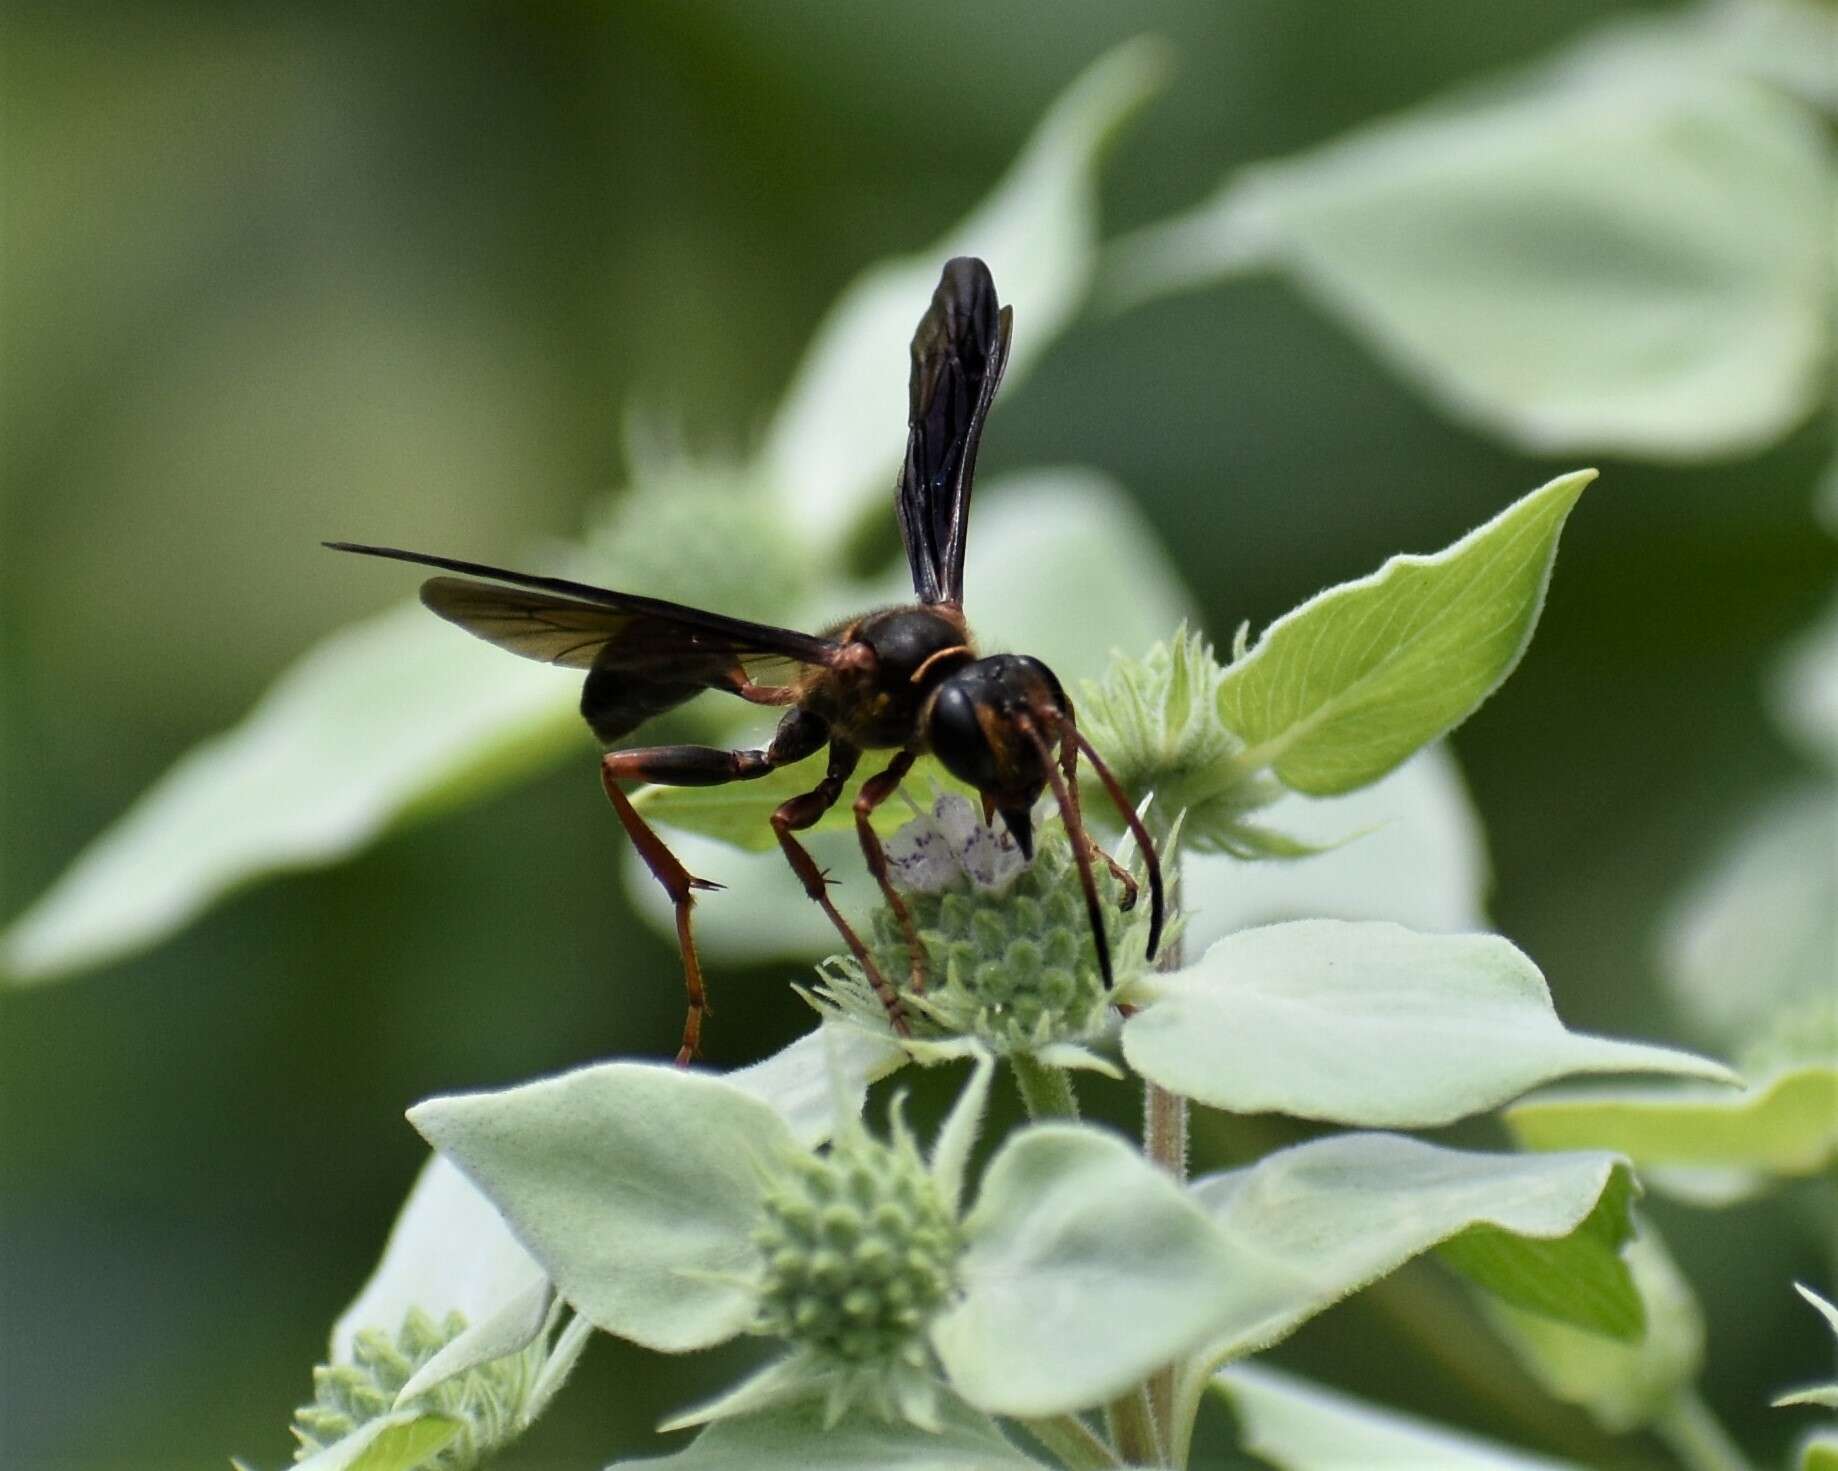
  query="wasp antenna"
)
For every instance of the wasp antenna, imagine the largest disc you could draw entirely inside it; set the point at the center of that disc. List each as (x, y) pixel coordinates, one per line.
(1081, 850)
(1149, 856)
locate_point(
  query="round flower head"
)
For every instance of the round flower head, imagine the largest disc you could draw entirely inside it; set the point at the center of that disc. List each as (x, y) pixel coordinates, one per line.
(1008, 943)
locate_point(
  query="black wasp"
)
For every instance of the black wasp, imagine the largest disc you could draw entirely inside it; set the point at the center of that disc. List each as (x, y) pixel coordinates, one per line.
(906, 679)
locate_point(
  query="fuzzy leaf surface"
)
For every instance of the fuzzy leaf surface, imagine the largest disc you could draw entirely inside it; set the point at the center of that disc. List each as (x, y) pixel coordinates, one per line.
(1407, 848)
(1622, 1385)
(331, 756)
(1604, 254)
(449, 1251)
(1368, 1024)
(1785, 1125)
(1342, 689)
(1297, 1426)
(1326, 1218)
(404, 1441)
(795, 1438)
(1054, 1317)
(634, 1185)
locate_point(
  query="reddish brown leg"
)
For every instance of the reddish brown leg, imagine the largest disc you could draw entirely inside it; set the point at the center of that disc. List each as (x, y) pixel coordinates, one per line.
(799, 735)
(803, 812)
(1069, 764)
(876, 790)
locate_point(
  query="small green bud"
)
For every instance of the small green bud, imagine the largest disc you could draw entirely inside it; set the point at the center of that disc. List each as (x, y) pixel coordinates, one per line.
(859, 1252)
(487, 1401)
(1156, 719)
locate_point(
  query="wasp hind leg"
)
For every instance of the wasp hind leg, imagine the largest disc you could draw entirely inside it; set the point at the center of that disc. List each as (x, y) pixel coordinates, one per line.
(799, 735)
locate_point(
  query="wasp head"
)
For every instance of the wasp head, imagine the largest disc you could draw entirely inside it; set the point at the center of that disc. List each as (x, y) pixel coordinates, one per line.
(993, 724)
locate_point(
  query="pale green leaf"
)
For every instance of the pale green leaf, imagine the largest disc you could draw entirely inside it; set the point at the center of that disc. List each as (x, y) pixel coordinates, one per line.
(1407, 848)
(1340, 690)
(509, 1330)
(795, 1438)
(449, 1251)
(799, 1375)
(1822, 1395)
(1826, 1310)
(1757, 935)
(1606, 254)
(1322, 1220)
(950, 1159)
(634, 1185)
(1327, 1218)
(740, 813)
(1297, 1426)
(391, 712)
(1370, 1024)
(762, 913)
(1819, 1452)
(404, 1441)
(564, 1354)
(1785, 1125)
(1086, 1268)
(836, 440)
(1806, 685)
(1624, 1386)
(820, 1081)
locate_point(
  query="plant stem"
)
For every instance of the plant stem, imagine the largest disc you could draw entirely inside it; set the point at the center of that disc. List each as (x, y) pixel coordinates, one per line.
(1164, 1140)
(1078, 1446)
(1132, 1428)
(1047, 1091)
(1697, 1437)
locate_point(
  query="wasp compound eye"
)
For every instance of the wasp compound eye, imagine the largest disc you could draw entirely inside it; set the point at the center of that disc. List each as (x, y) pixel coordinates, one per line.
(957, 733)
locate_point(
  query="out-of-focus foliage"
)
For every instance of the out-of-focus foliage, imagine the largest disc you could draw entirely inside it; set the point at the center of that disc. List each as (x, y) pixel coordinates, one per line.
(277, 276)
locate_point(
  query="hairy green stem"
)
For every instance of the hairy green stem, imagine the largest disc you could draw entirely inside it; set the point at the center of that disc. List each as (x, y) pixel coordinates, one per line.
(1132, 1428)
(1164, 1140)
(1697, 1437)
(1076, 1444)
(1047, 1091)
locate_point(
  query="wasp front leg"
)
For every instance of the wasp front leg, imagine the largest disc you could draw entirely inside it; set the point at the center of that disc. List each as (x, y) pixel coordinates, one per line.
(800, 734)
(1069, 765)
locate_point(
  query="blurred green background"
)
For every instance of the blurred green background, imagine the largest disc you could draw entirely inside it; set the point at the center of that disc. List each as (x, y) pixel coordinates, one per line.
(276, 274)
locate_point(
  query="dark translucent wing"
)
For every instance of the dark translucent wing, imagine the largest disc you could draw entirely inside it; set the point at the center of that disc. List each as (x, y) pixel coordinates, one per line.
(511, 616)
(643, 656)
(533, 624)
(959, 352)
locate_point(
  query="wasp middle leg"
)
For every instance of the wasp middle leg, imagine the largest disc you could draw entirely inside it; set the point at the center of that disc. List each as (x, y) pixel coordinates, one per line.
(876, 790)
(800, 734)
(803, 812)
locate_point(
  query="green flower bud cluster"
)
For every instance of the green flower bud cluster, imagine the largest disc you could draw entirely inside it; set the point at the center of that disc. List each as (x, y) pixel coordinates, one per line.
(487, 1401)
(860, 1251)
(1009, 955)
(1156, 719)
(1014, 967)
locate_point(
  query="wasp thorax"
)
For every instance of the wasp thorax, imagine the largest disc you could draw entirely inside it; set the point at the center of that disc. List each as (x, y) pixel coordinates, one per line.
(860, 1251)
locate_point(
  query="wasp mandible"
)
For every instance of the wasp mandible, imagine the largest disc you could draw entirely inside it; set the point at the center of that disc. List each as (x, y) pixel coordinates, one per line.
(906, 679)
